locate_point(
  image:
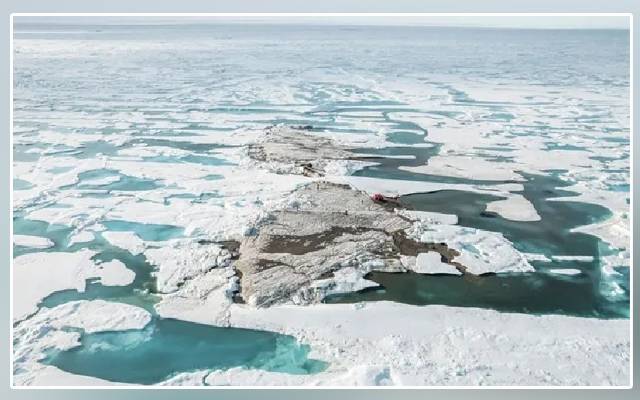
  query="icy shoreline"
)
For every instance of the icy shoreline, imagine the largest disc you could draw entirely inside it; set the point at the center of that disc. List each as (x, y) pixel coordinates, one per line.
(197, 282)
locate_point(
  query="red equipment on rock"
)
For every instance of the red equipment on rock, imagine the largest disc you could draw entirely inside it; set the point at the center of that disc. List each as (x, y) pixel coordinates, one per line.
(378, 197)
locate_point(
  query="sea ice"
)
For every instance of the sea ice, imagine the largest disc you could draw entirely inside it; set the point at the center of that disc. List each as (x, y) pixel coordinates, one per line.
(205, 299)
(573, 258)
(115, 273)
(125, 240)
(83, 236)
(179, 261)
(430, 263)
(35, 242)
(102, 181)
(440, 345)
(50, 329)
(429, 217)
(536, 257)
(397, 187)
(344, 280)
(515, 207)
(467, 167)
(40, 274)
(481, 251)
(565, 271)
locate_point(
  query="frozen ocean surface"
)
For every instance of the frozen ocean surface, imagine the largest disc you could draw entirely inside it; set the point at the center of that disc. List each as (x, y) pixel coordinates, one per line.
(140, 129)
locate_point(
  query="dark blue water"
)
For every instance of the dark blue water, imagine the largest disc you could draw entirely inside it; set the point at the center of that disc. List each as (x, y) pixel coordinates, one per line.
(586, 294)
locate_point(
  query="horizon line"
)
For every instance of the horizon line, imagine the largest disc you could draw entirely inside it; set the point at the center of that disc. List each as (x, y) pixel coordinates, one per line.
(492, 21)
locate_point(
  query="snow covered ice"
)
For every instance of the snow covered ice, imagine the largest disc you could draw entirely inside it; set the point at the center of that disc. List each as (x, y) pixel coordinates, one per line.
(144, 169)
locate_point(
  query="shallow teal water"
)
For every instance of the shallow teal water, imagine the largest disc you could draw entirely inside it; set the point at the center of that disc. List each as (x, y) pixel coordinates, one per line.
(125, 183)
(178, 144)
(150, 232)
(166, 346)
(58, 234)
(169, 346)
(21, 184)
(192, 159)
(140, 292)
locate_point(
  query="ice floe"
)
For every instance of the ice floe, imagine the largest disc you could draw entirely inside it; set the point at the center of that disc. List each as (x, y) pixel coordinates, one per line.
(515, 207)
(35, 242)
(536, 257)
(397, 187)
(480, 251)
(179, 261)
(429, 217)
(83, 236)
(125, 240)
(40, 274)
(565, 271)
(115, 273)
(430, 263)
(344, 280)
(573, 258)
(467, 167)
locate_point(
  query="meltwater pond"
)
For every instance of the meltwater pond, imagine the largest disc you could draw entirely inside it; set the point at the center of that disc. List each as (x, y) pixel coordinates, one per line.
(169, 346)
(57, 233)
(150, 232)
(107, 179)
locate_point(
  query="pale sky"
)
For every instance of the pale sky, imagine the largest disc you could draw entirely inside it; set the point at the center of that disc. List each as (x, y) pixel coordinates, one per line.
(529, 22)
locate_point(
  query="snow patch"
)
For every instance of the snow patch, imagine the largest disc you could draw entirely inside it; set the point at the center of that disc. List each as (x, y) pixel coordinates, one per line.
(125, 240)
(391, 343)
(481, 251)
(573, 258)
(82, 237)
(429, 217)
(431, 263)
(515, 208)
(181, 260)
(115, 273)
(35, 242)
(565, 271)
